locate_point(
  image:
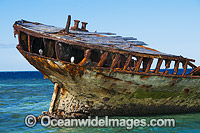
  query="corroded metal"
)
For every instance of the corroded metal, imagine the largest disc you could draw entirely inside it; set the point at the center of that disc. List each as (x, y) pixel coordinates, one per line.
(103, 58)
(115, 61)
(149, 65)
(29, 44)
(184, 67)
(86, 57)
(84, 26)
(158, 65)
(105, 79)
(68, 24)
(76, 22)
(127, 62)
(114, 95)
(139, 61)
(91, 40)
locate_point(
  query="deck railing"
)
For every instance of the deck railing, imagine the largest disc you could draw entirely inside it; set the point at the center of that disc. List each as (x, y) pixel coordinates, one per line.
(129, 64)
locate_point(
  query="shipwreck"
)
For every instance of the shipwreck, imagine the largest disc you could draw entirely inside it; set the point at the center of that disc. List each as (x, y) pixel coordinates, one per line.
(99, 73)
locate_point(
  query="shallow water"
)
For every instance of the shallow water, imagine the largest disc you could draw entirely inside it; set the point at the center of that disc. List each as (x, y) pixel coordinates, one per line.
(23, 93)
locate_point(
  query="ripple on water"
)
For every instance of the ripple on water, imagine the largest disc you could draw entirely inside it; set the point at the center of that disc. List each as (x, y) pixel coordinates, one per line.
(21, 96)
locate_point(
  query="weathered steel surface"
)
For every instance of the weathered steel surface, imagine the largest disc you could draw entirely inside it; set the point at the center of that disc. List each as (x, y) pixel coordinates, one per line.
(100, 91)
(108, 74)
(94, 38)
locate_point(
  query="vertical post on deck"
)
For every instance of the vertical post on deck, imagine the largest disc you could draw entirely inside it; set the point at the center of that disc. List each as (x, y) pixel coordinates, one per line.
(84, 26)
(176, 66)
(45, 47)
(53, 99)
(127, 62)
(86, 57)
(68, 24)
(29, 43)
(160, 60)
(116, 59)
(184, 67)
(56, 49)
(139, 61)
(149, 65)
(167, 65)
(103, 58)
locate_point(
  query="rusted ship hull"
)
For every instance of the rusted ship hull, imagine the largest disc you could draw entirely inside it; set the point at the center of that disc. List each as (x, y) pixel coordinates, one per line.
(100, 91)
(102, 74)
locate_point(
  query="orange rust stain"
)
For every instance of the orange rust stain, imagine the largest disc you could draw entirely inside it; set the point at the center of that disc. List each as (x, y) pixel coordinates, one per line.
(141, 46)
(82, 62)
(73, 69)
(63, 91)
(52, 64)
(100, 35)
(73, 107)
(123, 45)
(62, 113)
(71, 34)
(58, 112)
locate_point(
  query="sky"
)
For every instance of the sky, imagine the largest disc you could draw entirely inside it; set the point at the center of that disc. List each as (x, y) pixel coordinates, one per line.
(170, 26)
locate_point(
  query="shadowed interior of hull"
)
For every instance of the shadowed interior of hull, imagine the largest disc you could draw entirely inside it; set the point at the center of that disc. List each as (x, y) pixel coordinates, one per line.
(101, 58)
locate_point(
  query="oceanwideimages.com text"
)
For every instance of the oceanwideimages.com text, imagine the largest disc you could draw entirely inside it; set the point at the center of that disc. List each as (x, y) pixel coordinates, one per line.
(46, 121)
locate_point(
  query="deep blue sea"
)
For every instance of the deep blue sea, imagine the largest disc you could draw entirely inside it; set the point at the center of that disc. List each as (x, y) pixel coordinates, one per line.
(23, 93)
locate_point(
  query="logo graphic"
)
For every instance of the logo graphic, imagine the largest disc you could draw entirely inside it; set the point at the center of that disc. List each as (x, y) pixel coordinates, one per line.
(30, 121)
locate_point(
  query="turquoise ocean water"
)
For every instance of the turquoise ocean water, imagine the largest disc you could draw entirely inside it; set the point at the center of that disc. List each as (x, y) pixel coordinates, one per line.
(23, 93)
